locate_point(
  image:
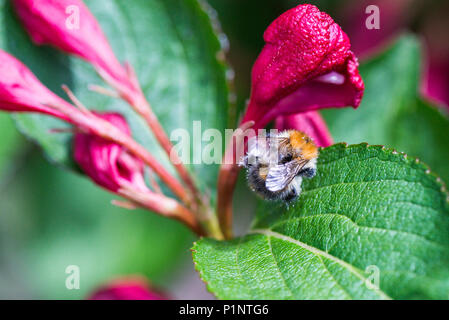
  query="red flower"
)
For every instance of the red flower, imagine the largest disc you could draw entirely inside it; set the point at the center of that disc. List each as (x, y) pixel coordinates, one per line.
(126, 289)
(306, 64)
(111, 166)
(49, 22)
(106, 162)
(310, 123)
(21, 91)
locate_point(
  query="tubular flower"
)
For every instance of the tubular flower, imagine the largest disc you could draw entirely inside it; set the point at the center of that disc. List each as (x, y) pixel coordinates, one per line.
(134, 288)
(107, 163)
(112, 167)
(103, 146)
(21, 91)
(310, 123)
(69, 26)
(306, 64)
(55, 22)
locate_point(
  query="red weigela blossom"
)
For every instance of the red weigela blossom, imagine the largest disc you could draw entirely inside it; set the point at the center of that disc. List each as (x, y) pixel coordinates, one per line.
(106, 162)
(100, 139)
(306, 64)
(111, 166)
(310, 123)
(126, 289)
(49, 22)
(21, 91)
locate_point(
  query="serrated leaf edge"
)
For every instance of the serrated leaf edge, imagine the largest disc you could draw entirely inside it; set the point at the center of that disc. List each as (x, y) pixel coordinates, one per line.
(424, 166)
(199, 270)
(357, 272)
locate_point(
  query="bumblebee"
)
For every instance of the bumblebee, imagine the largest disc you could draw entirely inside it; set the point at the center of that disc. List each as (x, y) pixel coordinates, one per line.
(277, 163)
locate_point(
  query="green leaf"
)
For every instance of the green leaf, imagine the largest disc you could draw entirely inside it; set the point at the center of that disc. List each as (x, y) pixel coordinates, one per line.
(11, 141)
(175, 51)
(368, 208)
(391, 112)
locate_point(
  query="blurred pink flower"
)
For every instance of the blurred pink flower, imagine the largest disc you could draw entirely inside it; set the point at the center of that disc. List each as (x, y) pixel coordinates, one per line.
(310, 123)
(393, 18)
(306, 64)
(50, 22)
(430, 19)
(21, 91)
(131, 288)
(435, 79)
(106, 162)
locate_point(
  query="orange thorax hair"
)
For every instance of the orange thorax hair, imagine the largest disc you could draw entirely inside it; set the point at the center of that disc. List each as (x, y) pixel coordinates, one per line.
(300, 145)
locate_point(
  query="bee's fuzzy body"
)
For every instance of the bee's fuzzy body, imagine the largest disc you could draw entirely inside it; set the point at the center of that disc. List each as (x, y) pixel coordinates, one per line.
(275, 171)
(257, 184)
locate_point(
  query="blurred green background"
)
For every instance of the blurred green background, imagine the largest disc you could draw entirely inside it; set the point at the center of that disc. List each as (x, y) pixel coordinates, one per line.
(51, 218)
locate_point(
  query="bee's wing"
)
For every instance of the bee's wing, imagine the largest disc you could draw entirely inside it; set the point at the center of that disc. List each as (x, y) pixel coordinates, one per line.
(281, 175)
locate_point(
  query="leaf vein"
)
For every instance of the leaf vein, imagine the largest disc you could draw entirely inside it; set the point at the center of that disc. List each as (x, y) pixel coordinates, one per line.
(358, 273)
(366, 182)
(277, 267)
(332, 276)
(358, 226)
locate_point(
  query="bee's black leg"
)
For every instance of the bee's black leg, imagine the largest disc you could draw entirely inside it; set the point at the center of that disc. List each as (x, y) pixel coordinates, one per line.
(292, 195)
(308, 173)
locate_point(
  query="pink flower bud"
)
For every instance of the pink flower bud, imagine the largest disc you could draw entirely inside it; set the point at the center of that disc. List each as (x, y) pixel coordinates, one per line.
(21, 91)
(306, 64)
(69, 26)
(310, 123)
(126, 289)
(106, 162)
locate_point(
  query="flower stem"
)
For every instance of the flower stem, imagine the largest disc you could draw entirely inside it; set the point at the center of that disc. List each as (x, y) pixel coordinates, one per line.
(147, 113)
(227, 179)
(164, 206)
(209, 221)
(139, 151)
(88, 121)
(196, 213)
(134, 96)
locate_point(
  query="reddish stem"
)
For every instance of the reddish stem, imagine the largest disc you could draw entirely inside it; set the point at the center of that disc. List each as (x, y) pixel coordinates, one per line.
(139, 151)
(85, 119)
(164, 206)
(147, 113)
(227, 179)
(134, 96)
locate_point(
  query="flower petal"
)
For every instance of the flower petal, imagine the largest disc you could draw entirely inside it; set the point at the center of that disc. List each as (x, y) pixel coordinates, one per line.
(130, 288)
(21, 91)
(49, 22)
(310, 123)
(291, 75)
(106, 162)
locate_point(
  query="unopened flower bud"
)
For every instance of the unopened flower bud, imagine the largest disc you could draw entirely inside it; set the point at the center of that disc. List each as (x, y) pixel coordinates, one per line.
(21, 91)
(107, 163)
(306, 64)
(49, 22)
